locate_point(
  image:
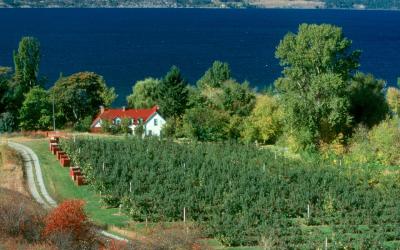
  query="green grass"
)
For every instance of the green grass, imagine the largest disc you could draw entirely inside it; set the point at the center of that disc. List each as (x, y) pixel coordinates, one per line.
(61, 187)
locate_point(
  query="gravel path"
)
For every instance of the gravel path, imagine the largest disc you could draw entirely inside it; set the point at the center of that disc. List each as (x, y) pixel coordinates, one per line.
(32, 164)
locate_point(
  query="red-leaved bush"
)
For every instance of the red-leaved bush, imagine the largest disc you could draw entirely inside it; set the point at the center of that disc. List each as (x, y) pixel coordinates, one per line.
(69, 217)
(67, 227)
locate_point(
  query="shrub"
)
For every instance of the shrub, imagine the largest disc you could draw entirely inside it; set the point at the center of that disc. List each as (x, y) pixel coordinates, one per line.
(83, 125)
(67, 226)
(20, 216)
(385, 141)
(360, 149)
(139, 130)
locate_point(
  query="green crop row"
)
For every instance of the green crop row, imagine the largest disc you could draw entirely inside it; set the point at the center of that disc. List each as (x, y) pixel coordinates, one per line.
(240, 194)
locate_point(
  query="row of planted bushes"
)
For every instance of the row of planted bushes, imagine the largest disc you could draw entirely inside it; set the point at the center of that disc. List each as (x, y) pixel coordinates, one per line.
(239, 194)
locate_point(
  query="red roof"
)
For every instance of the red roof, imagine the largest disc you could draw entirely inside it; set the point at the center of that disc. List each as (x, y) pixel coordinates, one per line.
(111, 114)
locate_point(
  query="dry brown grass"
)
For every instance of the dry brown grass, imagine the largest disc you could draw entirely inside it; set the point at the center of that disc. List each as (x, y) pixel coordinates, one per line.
(20, 217)
(161, 237)
(11, 171)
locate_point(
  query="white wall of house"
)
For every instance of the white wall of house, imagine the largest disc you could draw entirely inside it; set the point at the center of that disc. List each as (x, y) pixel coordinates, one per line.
(154, 125)
(98, 124)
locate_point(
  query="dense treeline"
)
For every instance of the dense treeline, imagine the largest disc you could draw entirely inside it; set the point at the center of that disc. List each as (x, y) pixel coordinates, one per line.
(243, 195)
(371, 4)
(121, 3)
(320, 100)
(25, 103)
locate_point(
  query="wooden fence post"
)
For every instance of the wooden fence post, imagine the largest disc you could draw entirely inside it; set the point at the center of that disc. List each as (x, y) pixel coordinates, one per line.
(326, 243)
(184, 215)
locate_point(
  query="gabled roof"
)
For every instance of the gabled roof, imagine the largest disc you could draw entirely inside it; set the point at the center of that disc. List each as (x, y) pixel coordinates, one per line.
(136, 114)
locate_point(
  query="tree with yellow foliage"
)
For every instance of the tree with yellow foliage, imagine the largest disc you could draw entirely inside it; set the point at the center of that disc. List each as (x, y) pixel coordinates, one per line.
(265, 121)
(393, 99)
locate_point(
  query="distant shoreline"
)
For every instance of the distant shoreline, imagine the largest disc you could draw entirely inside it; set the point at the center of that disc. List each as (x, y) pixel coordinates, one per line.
(210, 8)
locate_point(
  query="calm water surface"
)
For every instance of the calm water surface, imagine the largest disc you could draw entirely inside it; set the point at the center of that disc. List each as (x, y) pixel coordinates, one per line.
(125, 45)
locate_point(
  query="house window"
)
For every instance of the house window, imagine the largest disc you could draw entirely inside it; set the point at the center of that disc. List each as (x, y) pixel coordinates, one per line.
(117, 121)
(155, 122)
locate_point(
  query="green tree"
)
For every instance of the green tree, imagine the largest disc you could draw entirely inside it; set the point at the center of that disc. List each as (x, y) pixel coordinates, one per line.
(173, 128)
(26, 61)
(173, 94)
(226, 101)
(7, 122)
(215, 76)
(317, 62)
(231, 96)
(144, 94)
(4, 87)
(36, 110)
(367, 99)
(80, 95)
(314, 50)
(205, 124)
(84, 124)
(237, 99)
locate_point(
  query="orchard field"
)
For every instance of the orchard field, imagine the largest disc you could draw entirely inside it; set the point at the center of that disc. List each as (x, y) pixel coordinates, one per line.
(243, 195)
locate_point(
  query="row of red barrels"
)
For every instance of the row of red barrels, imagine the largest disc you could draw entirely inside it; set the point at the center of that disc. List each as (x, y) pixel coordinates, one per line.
(65, 161)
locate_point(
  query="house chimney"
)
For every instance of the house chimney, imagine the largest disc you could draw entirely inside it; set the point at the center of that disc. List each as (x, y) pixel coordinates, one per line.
(123, 108)
(101, 109)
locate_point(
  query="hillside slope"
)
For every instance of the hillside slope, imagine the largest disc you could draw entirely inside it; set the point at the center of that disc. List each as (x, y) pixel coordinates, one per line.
(358, 4)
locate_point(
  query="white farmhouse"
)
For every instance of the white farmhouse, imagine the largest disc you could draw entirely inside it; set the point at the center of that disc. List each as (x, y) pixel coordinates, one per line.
(150, 119)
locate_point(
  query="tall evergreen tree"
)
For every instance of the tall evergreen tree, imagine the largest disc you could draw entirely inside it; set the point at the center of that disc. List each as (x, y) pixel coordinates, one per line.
(26, 61)
(173, 94)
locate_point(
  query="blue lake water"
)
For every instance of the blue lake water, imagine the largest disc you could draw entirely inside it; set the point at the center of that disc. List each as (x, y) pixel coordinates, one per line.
(125, 45)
